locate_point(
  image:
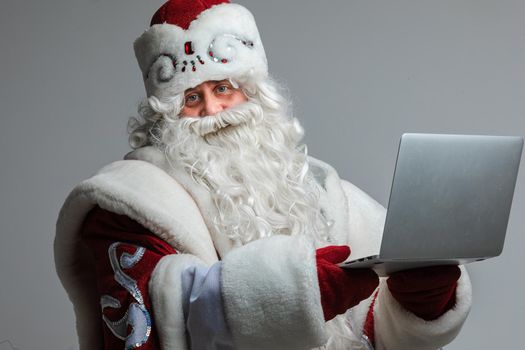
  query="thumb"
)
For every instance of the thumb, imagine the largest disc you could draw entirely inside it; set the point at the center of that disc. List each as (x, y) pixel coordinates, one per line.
(334, 254)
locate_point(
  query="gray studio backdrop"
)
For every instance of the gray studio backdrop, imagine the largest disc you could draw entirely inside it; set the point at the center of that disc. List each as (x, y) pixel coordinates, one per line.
(360, 73)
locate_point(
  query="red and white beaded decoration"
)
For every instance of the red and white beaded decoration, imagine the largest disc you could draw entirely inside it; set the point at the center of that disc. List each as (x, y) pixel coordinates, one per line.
(222, 48)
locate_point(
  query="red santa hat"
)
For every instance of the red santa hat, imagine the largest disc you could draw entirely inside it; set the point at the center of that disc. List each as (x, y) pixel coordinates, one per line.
(191, 41)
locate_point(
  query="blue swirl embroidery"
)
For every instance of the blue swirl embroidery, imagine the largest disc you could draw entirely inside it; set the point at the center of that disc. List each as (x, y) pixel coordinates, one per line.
(136, 315)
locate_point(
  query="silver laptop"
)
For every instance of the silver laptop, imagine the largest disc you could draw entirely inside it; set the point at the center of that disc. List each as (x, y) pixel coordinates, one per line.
(449, 203)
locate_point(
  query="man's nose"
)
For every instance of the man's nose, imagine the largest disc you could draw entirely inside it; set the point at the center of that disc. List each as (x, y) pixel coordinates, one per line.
(212, 106)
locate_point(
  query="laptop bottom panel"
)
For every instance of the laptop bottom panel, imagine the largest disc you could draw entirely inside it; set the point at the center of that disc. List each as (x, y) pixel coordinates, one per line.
(385, 267)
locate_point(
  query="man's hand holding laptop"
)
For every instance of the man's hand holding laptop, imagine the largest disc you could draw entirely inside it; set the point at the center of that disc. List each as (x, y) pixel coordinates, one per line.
(427, 292)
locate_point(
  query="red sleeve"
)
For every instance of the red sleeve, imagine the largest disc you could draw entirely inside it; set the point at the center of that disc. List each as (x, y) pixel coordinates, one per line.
(125, 255)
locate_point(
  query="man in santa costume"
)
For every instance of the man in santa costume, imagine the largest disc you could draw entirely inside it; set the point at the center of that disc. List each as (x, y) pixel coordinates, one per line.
(219, 232)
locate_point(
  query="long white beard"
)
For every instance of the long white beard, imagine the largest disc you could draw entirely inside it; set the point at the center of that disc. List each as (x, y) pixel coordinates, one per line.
(257, 175)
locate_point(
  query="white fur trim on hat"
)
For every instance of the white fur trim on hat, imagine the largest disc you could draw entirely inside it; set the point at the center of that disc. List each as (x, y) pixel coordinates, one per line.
(225, 44)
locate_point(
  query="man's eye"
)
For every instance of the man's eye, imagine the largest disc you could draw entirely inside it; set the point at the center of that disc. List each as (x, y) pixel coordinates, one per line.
(192, 98)
(222, 88)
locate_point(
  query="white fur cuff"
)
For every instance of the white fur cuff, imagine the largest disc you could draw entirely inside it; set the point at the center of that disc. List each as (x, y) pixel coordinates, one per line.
(166, 297)
(271, 295)
(397, 328)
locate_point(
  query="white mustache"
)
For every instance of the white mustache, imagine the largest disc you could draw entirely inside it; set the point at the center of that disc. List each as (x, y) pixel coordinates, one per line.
(245, 113)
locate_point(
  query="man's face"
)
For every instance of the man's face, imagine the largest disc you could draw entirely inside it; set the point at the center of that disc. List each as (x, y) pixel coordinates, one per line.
(210, 98)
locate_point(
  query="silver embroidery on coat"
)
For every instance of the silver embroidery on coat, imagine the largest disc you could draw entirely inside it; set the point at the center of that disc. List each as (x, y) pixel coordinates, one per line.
(136, 315)
(319, 174)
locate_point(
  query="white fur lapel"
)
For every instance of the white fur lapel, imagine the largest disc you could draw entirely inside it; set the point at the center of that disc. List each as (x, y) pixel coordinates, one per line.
(334, 204)
(147, 195)
(199, 194)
